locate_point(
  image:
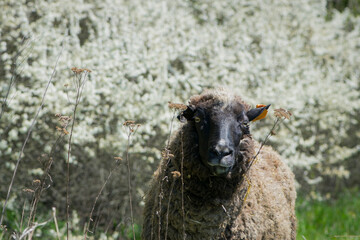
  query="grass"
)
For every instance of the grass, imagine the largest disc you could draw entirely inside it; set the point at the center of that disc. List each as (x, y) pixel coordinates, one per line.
(329, 219)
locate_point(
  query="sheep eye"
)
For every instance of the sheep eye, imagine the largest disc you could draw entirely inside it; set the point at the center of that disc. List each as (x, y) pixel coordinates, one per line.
(197, 119)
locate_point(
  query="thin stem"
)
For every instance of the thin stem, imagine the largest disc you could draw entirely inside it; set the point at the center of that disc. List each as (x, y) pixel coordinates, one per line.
(182, 184)
(80, 80)
(28, 136)
(253, 159)
(68, 171)
(168, 207)
(264, 142)
(129, 181)
(96, 199)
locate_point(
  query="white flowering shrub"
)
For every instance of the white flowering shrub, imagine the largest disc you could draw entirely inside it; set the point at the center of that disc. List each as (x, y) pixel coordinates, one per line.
(145, 53)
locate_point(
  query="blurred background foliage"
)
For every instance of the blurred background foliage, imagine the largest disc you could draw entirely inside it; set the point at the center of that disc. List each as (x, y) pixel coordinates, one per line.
(299, 55)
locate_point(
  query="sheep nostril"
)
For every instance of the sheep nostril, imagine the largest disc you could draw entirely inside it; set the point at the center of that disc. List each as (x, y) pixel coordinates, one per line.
(221, 153)
(226, 153)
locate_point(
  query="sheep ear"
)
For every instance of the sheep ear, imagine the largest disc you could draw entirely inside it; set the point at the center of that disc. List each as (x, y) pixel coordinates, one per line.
(187, 114)
(258, 113)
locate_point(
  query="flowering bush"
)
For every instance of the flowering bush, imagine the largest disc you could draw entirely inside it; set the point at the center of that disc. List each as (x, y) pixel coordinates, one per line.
(144, 54)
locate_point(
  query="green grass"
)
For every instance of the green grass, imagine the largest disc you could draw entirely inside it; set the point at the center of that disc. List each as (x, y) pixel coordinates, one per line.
(335, 219)
(317, 220)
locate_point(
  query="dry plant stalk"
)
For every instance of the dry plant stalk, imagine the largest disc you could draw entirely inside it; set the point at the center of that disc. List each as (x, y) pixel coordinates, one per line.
(79, 80)
(132, 127)
(41, 184)
(182, 184)
(175, 176)
(86, 230)
(280, 114)
(167, 156)
(28, 135)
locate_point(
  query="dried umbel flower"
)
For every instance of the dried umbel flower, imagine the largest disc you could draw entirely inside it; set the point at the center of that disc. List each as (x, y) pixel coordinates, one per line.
(175, 174)
(128, 122)
(131, 125)
(282, 113)
(177, 106)
(63, 119)
(80, 70)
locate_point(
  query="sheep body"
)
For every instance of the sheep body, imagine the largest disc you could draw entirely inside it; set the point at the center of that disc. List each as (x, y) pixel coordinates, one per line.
(198, 205)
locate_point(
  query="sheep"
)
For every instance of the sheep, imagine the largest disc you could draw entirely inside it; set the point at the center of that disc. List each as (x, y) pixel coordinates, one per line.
(199, 191)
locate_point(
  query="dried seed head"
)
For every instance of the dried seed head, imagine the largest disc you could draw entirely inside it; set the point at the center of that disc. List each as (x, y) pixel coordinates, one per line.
(64, 118)
(36, 181)
(80, 70)
(282, 113)
(177, 106)
(176, 174)
(128, 122)
(76, 70)
(28, 190)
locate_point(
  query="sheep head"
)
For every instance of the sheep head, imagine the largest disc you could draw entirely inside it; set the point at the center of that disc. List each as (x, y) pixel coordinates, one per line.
(220, 128)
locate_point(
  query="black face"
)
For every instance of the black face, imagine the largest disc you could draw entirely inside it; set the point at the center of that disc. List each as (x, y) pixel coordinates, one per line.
(220, 132)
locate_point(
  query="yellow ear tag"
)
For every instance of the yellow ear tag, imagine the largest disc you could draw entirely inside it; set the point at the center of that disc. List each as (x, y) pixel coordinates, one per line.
(263, 114)
(197, 119)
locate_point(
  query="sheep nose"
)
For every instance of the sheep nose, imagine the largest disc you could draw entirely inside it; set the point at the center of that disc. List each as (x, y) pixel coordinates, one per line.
(221, 149)
(221, 155)
(221, 152)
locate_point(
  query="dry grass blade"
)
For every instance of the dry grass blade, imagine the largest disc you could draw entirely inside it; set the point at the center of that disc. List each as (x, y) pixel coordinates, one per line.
(56, 224)
(29, 231)
(15, 72)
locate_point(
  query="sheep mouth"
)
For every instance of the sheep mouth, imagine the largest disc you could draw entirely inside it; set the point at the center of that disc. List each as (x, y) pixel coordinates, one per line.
(220, 170)
(221, 165)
